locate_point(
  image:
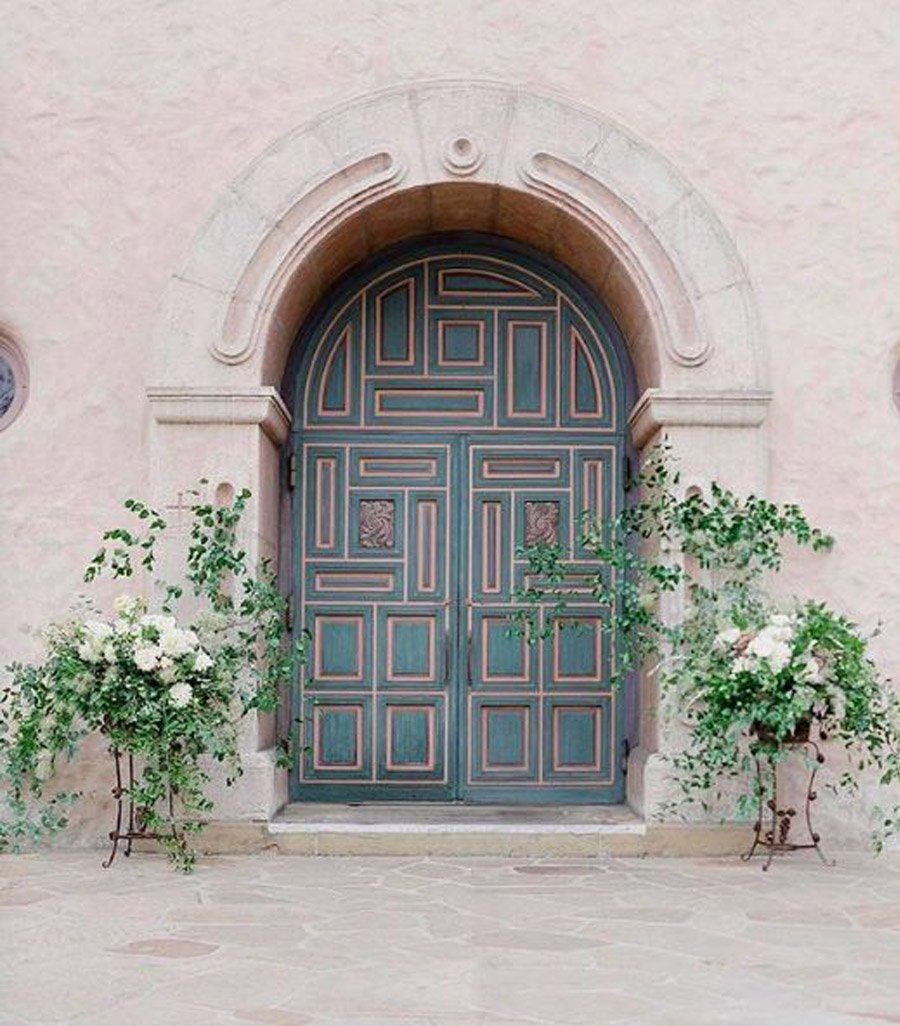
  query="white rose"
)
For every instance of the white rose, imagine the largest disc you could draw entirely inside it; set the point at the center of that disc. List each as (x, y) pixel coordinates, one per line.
(166, 670)
(180, 695)
(780, 656)
(781, 627)
(762, 646)
(727, 638)
(146, 657)
(202, 661)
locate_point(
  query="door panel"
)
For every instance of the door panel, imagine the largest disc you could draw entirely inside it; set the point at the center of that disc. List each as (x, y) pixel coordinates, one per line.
(540, 717)
(381, 616)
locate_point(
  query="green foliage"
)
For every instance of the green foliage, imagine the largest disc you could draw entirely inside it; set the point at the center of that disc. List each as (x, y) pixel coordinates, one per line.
(171, 696)
(683, 578)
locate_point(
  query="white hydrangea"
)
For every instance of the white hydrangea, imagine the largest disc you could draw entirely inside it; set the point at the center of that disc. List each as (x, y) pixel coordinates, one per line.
(180, 694)
(109, 652)
(125, 605)
(167, 671)
(159, 622)
(90, 651)
(202, 661)
(146, 657)
(177, 643)
(97, 630)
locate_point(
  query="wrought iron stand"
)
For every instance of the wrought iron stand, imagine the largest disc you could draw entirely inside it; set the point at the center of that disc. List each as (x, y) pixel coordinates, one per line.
(774, 837)
(135, 830)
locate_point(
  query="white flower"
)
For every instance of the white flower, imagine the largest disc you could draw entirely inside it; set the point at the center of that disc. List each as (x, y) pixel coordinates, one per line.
(780, 627)
(741, 664)
(166, 670)
(180, 695)
(146, 657)
(89, 651)
(175, 642)
(725, 639)
(160, 621)
(811, 671)
(780, 657)
(171, 643)
(202, 661)
(125, 605)
(762, 646)
(109, 652)
(97, 630)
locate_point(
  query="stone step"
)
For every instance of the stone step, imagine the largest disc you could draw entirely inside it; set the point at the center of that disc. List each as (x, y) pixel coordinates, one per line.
(422, 829)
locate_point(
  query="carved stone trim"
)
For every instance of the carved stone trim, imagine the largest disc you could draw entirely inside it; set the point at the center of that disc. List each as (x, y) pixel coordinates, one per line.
(657, 409)
(262, 406)
(462, 155)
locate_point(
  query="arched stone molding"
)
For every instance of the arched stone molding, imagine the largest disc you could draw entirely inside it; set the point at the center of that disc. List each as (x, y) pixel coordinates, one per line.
(671, 275)
(439, 156)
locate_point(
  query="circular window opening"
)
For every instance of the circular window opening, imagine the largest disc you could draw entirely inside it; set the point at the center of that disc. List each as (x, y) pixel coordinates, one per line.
(13, 382)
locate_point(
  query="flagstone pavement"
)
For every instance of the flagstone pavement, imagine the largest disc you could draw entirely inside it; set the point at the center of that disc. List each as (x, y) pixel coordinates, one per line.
(310, 941)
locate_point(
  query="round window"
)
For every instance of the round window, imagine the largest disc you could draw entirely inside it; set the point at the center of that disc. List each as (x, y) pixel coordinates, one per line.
(13, 382)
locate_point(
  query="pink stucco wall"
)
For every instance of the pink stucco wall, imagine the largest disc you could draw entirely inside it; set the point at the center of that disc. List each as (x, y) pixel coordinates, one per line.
(125, 122)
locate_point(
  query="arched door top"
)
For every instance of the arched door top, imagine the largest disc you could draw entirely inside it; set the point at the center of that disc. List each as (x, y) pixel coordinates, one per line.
(458, 333)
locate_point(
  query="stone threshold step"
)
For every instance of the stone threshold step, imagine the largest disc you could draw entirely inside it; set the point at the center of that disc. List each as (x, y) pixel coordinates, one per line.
(438, 818)
(422, 829)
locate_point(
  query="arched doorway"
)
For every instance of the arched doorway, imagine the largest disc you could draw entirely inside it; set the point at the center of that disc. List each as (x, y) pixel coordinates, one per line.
(380, 169)
(454, 400)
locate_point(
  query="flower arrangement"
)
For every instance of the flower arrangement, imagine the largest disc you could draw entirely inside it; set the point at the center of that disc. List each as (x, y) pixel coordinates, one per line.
(167, 690)
(790, 670)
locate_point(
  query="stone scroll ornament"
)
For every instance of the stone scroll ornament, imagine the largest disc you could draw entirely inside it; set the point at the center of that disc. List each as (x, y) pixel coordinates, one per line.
(376, 524)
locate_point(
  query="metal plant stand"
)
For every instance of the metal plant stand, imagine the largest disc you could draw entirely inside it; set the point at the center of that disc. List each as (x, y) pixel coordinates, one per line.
(124, 796)
(773, 824)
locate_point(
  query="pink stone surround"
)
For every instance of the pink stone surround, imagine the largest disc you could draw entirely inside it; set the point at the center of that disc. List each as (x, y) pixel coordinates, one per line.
(180, 189)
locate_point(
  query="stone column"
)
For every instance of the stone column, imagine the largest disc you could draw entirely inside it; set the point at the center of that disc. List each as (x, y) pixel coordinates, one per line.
(716, 436)
(233, 438)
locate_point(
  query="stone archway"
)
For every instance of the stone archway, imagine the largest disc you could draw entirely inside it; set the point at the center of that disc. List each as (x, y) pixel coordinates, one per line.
(426, 158)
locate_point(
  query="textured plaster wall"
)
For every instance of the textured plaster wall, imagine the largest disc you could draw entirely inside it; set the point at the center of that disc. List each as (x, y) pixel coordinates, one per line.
(124, 122)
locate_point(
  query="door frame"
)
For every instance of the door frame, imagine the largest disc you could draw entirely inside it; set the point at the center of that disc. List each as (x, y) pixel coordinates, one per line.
(475, 243)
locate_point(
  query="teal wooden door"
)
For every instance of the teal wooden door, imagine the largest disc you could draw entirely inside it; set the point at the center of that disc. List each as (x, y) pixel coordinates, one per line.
(453, 403)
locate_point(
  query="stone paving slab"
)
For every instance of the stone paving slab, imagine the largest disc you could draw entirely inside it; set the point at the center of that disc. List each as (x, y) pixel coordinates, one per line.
(449, 942)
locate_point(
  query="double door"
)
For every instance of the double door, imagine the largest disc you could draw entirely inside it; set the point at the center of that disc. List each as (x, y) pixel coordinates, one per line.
(416, 687)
